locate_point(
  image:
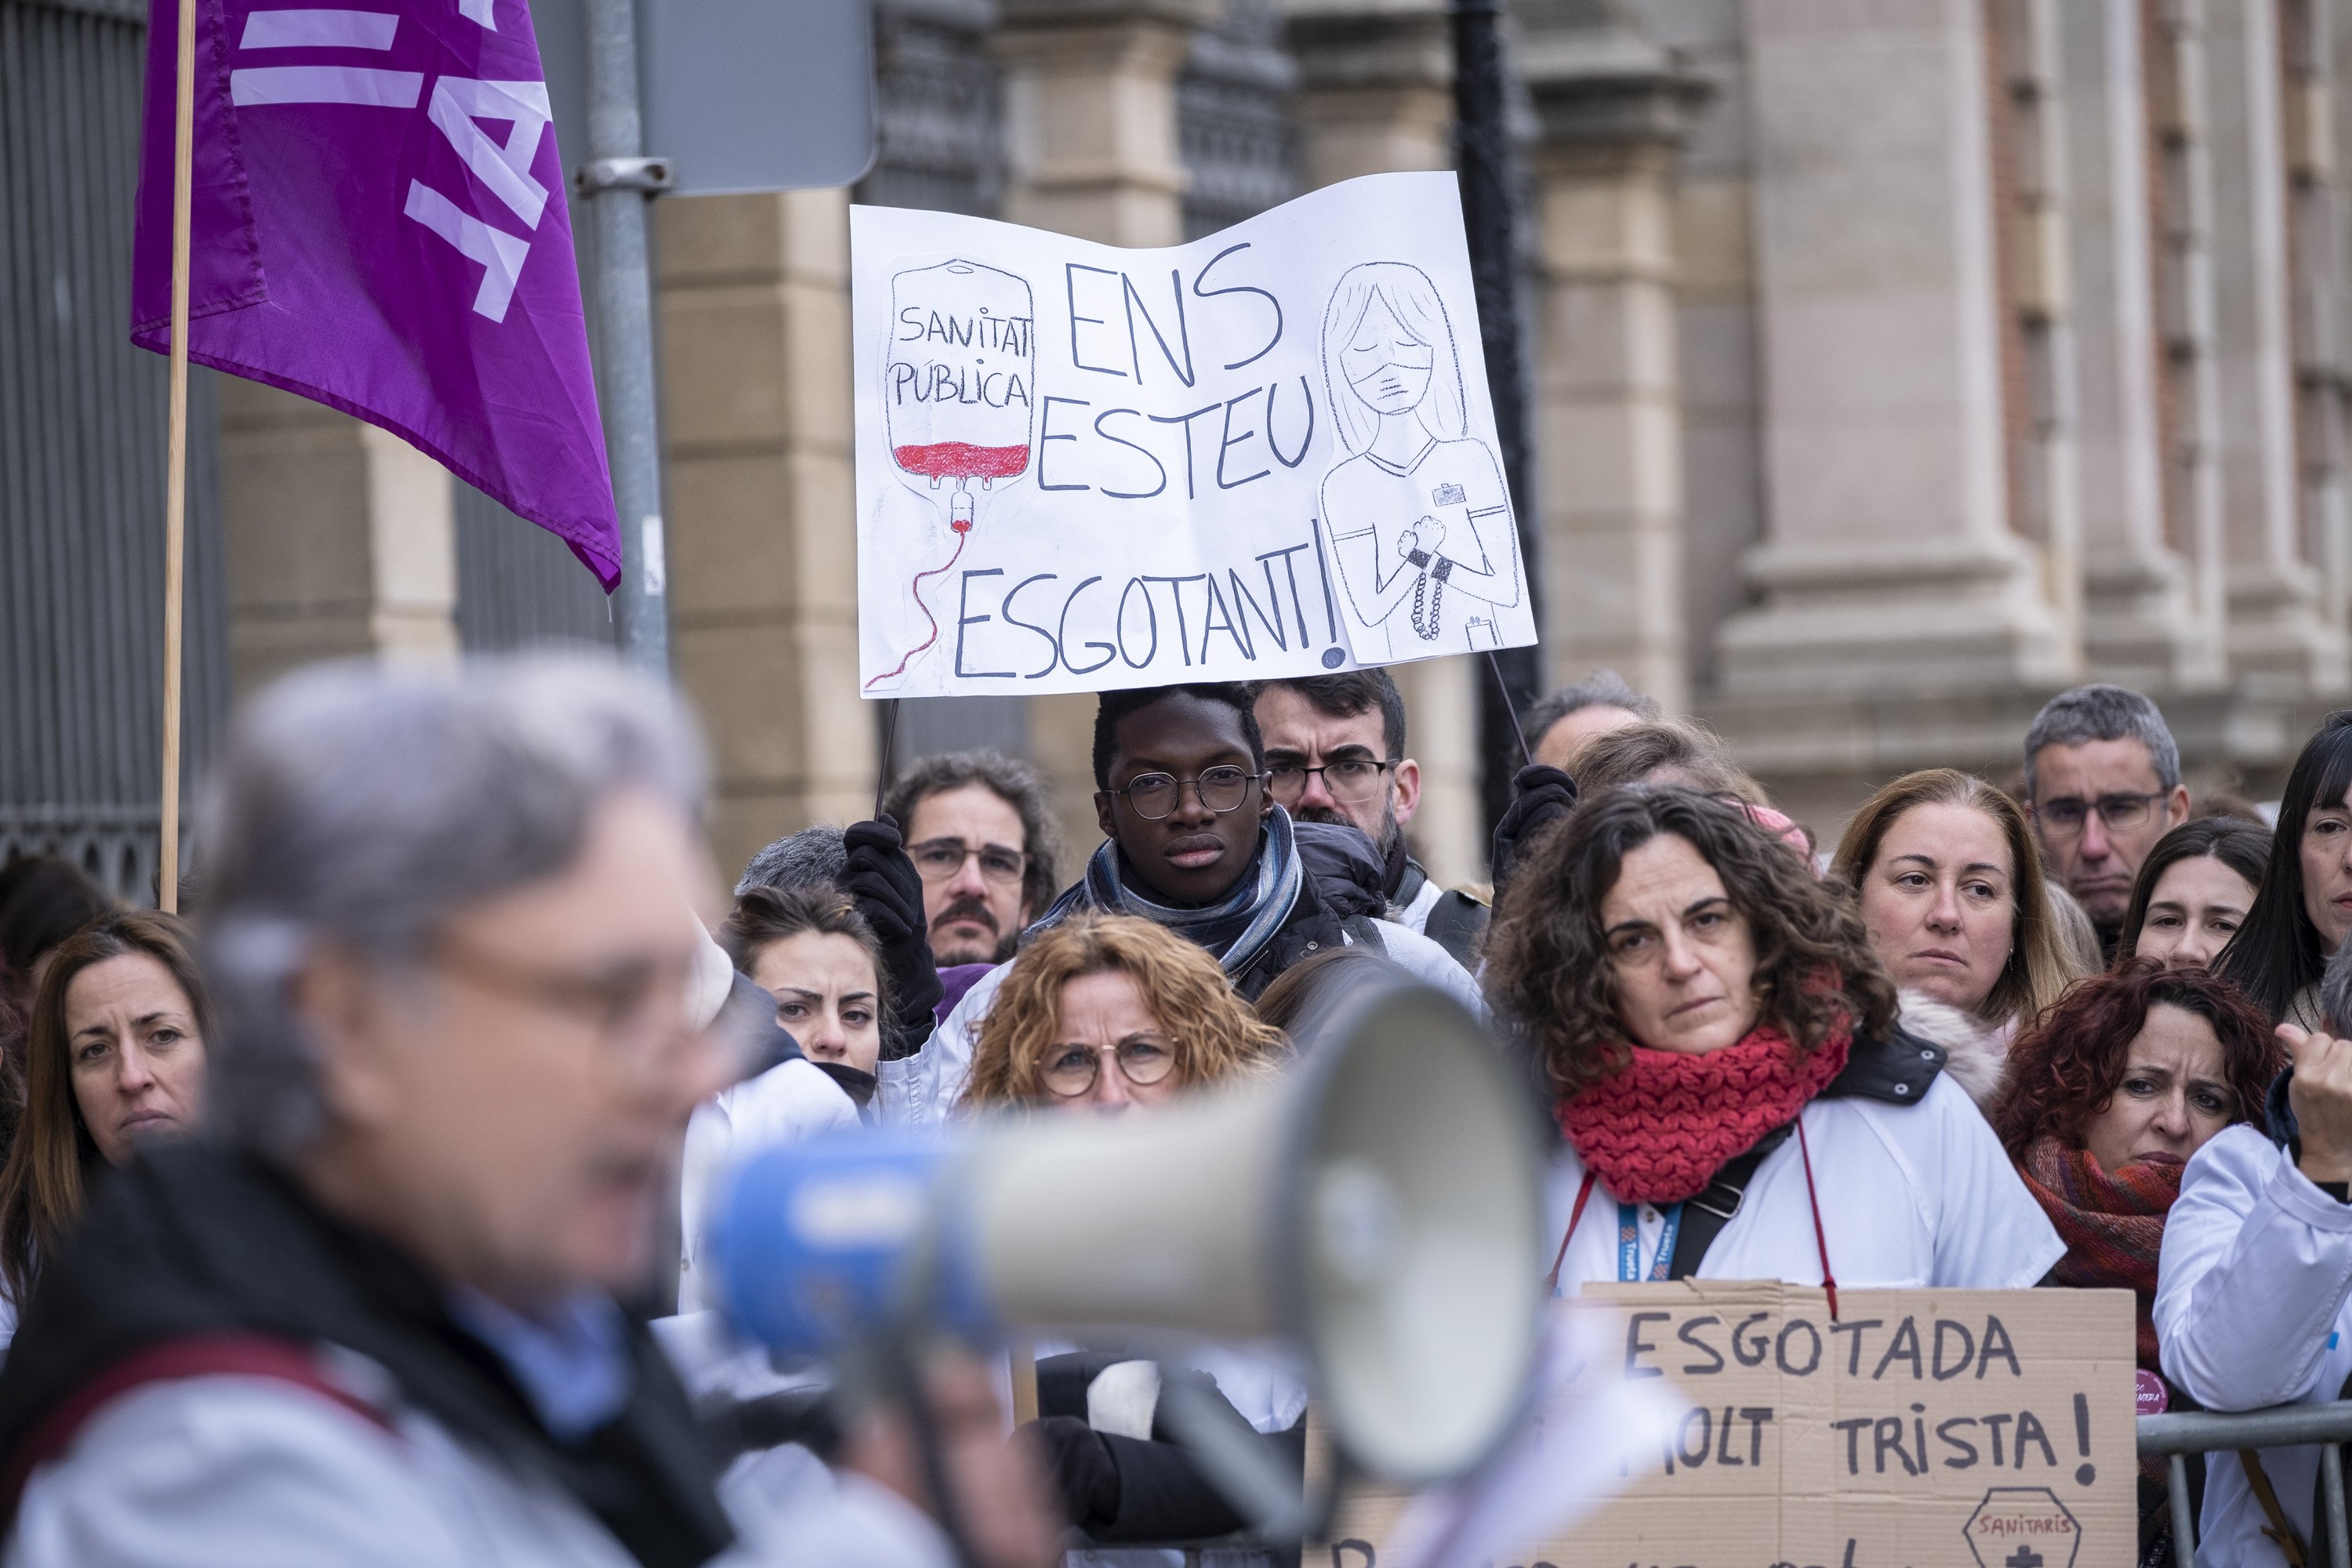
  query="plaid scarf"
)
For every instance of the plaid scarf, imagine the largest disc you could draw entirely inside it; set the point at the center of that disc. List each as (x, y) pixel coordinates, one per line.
(1234, 929)
(2111, 1221)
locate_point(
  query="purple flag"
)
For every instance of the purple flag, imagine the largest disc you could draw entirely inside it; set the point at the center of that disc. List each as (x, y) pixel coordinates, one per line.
(379, 224)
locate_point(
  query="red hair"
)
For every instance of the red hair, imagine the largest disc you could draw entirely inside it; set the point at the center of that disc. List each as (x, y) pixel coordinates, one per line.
(2070, 1062)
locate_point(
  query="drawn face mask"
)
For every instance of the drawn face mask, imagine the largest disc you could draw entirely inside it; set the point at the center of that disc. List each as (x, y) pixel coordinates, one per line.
(1387, 366)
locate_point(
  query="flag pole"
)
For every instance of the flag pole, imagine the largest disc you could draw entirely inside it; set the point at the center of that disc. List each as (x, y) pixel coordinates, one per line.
(175, 459)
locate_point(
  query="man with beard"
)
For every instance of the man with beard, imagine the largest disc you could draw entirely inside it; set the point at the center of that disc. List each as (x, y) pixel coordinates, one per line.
(977, 829)
(1335, 749)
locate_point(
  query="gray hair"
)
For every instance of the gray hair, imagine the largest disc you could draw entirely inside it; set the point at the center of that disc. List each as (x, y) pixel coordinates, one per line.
(800, 860)
(361, 804)
(2104, 713)
(2335, 992)
(1602, 688)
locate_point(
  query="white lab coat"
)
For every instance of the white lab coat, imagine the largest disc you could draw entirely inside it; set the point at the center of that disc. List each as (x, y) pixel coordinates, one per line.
(922, 1090)
(1911, 1197)
(2252, 1310)
(792, 1101)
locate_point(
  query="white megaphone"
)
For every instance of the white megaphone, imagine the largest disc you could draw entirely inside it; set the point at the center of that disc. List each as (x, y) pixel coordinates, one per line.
(1379, 1204)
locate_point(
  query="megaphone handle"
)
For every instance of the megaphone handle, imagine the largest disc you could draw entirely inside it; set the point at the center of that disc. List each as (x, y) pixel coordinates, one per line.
(1237, 1461)
(903, 1374)
(1023, 1354)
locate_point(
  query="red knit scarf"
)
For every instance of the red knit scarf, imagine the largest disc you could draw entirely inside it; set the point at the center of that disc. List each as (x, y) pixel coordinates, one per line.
(2111, 1221)
(1658, 1130)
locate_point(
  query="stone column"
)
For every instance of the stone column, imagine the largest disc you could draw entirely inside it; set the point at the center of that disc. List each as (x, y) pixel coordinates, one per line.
(1376, 97)
(754, 299)
(1613, 108)
(1891, 563)
(2280, 639)
(2147, 622)
(1091, 151)
(340, 537)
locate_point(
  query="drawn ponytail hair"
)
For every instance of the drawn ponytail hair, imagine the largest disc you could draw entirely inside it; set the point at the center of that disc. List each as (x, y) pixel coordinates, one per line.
(1414, 301)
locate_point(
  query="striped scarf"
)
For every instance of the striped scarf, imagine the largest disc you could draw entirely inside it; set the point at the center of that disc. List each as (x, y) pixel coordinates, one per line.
(2111, 1221)
(1235, 929)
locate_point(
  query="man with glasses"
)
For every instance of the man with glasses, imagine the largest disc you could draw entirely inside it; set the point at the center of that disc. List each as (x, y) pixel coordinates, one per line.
(1335, 749)
(977, 828)
(1195, 842)
(2103, 777)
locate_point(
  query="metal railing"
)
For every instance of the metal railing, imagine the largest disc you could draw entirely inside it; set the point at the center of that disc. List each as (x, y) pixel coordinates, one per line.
(2176, 1437)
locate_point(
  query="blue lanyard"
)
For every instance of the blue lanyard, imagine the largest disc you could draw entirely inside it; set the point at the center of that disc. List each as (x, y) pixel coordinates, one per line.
(1629, 1244)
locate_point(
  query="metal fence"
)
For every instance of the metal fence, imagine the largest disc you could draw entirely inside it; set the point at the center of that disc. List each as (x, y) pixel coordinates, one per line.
(81, 461)
(2176, 1437)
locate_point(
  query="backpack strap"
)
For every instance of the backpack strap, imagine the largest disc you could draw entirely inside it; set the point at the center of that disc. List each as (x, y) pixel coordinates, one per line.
(227, 1354)
(1704, 1216)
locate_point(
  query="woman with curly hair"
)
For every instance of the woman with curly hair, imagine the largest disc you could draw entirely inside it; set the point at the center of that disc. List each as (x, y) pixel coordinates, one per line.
(1720, 1048)
(1110, 1013)
(2108, 1096)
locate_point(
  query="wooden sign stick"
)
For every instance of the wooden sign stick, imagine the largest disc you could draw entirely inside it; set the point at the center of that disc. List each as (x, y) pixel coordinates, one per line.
(175, 460)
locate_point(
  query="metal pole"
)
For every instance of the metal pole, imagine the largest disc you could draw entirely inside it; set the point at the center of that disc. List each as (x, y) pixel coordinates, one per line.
(1489, 197)
(620, 181)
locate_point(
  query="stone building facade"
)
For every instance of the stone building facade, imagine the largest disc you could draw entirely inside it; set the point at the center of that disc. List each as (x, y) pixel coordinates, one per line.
(1893, 363)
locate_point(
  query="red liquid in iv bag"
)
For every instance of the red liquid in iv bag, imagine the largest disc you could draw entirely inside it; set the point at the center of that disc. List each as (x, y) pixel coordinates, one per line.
(963, 460)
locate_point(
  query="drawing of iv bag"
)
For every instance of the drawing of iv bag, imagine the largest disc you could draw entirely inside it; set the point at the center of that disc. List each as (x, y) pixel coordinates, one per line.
(959, 388)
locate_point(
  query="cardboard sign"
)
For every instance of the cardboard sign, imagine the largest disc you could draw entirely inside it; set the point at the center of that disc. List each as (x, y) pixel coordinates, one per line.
(1920, 1429)
(1266, 453)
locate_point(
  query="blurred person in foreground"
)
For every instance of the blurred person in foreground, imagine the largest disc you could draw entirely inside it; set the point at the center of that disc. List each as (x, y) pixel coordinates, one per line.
(1107, 1015)
(372, 1317)
(2193, 891)
(2108, 1096)
(978, 828)
(1194, 843)
(1557, 726)
(115, 1056)
(1720, 1048)
(1335, 745)
(2303, 908)
(2253, 1294)
(1946, 877)
(2103, 783)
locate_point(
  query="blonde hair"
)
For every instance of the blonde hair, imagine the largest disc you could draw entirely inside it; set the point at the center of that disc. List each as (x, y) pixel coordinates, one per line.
(2040, 969)
(1215, 1035)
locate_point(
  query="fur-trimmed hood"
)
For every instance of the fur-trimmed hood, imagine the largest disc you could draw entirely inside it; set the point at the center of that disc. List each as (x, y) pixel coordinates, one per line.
(1976, 1052)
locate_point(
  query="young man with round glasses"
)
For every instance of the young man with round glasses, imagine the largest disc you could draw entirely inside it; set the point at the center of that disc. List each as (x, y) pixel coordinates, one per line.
(2102, 776)
(1194, 843)
(1335, 749)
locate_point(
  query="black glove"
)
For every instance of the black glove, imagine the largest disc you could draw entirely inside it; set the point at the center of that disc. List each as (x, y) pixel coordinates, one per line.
(888, 892)
(1542, 798)
(1078, 1465)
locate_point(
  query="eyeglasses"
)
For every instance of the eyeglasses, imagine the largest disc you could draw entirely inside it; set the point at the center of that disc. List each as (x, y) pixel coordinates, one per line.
(637, 1010)
(940, 858)
(1069, 1072)
(2064, 817)
(1155, 796)
(1351, 782)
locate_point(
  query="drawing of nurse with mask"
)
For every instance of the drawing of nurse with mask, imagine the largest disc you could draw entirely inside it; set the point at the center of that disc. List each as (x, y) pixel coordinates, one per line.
(1419, 517)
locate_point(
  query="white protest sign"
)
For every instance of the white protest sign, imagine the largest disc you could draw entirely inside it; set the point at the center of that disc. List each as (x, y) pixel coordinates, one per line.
(1266, 453)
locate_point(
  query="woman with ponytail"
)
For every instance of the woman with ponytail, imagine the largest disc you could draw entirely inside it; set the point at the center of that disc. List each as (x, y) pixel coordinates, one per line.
(1720, 1052)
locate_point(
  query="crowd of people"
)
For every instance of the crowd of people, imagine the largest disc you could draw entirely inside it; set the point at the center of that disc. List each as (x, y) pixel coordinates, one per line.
(359, 1218)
